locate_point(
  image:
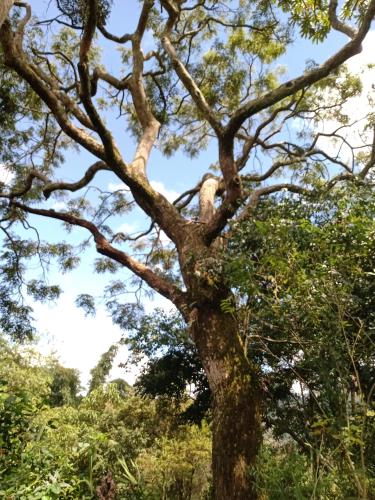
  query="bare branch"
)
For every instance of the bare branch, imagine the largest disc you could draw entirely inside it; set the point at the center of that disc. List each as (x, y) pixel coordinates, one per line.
(23, 22)
(118, 39)
(50, 187)
(34, 174)
(251, 27)
(113, 155)
(207, 193)
(189, 195)
(336, 23)
(75, 186)
(251, 141)
(112, 80)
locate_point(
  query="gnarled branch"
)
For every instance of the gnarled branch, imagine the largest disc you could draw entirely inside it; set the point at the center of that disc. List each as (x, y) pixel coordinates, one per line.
(159, 283)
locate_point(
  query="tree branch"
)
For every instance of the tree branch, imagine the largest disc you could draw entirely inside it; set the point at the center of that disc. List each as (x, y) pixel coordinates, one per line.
(292, 86)
(207, 193)
(154, 204)
(371, 162)
(113, 155)
(336, 23)
(118, 39)
(183, 73)
(16, 59)
(75, 186)
(158, 283)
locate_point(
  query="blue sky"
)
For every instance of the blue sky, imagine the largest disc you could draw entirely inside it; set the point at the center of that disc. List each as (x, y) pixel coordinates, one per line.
(77, 340)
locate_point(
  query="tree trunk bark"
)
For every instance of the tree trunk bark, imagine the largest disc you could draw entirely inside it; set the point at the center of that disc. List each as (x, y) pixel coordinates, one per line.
(5, 6)
(234, 383)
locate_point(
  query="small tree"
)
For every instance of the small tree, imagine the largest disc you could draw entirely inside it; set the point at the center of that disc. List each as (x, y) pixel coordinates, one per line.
(209, 78)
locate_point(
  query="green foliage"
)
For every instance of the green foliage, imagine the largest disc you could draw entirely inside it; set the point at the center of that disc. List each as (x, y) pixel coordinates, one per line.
(38, 290)
(87, 303)
(24, 389)
(75, 10)
(17, 254)
(56, 448)
(188, 477)
(284, 469)
(172, 364)
(65, 385)
(304, 274)
(100, 372)
(232, 59)
(12, 137)
(15, 317)
(171, 374)
(153, 333)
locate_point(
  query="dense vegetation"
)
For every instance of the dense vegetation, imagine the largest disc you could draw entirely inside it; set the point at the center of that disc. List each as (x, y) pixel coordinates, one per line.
(58, 444)
(303, 275)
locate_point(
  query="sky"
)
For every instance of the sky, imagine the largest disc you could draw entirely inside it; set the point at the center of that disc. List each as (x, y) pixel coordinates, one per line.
(77, 340)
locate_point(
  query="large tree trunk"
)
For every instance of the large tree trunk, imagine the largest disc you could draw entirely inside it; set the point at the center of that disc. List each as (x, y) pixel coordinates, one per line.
(236, 403)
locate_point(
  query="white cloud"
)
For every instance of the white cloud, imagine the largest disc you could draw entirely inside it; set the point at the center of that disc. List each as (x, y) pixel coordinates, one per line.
(360, 63)
(356, 108)
(164, 238)
(130, 373)
(127, 228)
(6, 176)
(158, 302)
(59, 205)
(117, 186)
(169, 194)
(79, 341)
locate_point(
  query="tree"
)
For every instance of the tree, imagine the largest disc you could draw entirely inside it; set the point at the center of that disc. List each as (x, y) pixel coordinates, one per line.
(101, 371)
(173, 366)
(209, 78)
(24, 390)
(303, 280)
(65, 385)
